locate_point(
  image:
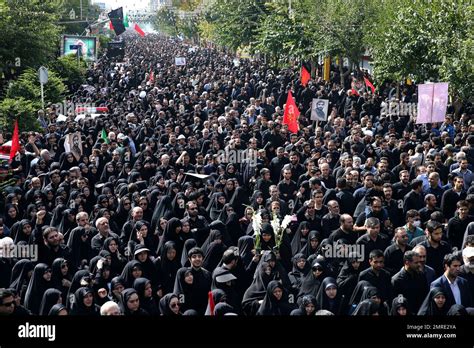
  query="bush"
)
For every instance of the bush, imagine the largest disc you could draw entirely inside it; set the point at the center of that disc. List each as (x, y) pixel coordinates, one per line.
(28, 87)
(22, 108)
(70, 71)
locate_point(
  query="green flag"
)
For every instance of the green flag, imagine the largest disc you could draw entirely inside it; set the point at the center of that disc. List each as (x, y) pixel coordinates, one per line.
(103, 135)
(125, 21)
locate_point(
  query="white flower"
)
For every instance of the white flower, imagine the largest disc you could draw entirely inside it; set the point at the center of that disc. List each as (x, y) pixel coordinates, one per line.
(257, 223)
(286, 221)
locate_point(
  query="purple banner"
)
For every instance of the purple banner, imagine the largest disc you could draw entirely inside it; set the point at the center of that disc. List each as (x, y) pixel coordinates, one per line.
(440, 102)
(425, 103)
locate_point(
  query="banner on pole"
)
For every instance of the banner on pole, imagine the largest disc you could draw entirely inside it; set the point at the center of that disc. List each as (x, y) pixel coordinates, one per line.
(432, 102)
(319, 109)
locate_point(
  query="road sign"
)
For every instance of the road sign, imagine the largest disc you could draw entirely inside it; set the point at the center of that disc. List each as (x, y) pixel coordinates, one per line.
(43, 75)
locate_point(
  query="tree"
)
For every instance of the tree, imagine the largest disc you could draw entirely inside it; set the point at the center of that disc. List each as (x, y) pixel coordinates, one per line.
(428, 40)
(28, 87)
(165, 22)
(29, 33)
(90, 12)
(25, 110)
(70, 71)
(236, 21)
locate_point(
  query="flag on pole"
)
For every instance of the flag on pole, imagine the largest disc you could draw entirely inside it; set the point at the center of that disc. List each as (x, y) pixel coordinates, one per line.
(139, 30)
(369, 84)
(116, 18)
(15, 142)
(111, 26)
(290, 117)
(125, 21)
(104, 136)
(305, 73)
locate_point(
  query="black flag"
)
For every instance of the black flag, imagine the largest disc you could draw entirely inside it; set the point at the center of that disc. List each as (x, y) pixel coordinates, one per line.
(116, 17)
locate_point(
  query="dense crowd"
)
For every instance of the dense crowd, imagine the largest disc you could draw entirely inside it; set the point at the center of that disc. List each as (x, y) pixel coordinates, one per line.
(151, 219)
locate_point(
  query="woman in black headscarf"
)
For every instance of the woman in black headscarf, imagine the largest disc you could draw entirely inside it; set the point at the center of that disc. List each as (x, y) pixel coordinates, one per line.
(457, 310)
(257, 201)
(50, 298)
(356, 296)
(239, 200)
(60, 276)
(299, 272)
(172, 233)
(312, 245)
(178, 205)
(23, 232)
(116, 288)
(372, 293)
(123, 211)
(108, 172)
(367, 307)
(267, 239)
(216, 204)
(58, 309)
(68, 221)
(141, 234)
(312, 281)
(117, 261)
(163, 209)
(39, 282)
(300, 238)
(67, 161)
(167, 266)
(246, 245)
(222, 309)
(84, 304)
(145, 294)
(184, 287)
(235, 228)
(434, 303)
(348, 276)
(170, 306)
(329, 297)
(218, 296)
(81, 278)
(131, 271)
(12, 215)
(130, 303)
(257, 290)
(188, 245)
(399, 306)
(21, 275)
(58, 212)
(79, 242)
(307, 306)
(275, 301)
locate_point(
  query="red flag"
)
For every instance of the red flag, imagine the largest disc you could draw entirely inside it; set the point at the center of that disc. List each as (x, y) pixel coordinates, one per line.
(369, 84)
(111, 27)
(139, 30)
(15, 142)
(305, 74)
(212, 305)
(152, 76)
(290, 117)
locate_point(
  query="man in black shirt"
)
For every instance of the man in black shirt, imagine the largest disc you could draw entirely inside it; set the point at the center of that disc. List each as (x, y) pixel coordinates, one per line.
(287, 187)
(457, 225)
(372, 240)
(394, 253)
(436, 248)
(414, 198)
(410, 282)
(377, 276)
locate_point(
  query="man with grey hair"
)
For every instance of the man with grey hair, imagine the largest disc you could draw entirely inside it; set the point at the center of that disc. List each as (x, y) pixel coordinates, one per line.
(102, 225)
(410, 281)
(110, 308)
(428, 272)
(372, 240)
(394, 253)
